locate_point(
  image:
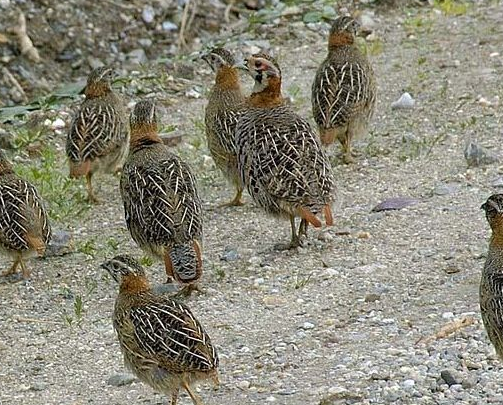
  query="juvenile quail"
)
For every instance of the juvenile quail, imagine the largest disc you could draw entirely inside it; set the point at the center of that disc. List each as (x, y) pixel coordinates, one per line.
(280, 158)
(491, 282)
(24, 225)
(161, 202)
(98, 140)
(344, 90)
(161, 340)
(224, 105)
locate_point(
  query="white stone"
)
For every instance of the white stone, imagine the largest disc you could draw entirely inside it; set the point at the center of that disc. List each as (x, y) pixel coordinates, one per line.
(447, 315)
(308, 325)
(148, 14)
(404, 102)
(58, 123)
(408, 383)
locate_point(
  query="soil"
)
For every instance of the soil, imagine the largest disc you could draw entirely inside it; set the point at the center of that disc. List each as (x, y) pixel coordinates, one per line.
(354, 316)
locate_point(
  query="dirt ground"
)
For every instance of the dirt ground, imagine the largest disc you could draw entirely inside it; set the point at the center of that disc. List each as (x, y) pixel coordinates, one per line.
(351, 318)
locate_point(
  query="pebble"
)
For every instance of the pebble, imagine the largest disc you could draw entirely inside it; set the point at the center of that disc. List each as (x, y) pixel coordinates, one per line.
(4, 3)
(61, 243)
(169, 26)
(497, 182)
(446, 189)
(137, 56)
(451, 377)
(148, 14)
(396, 203)
(405, 102)
(229, 254)
(409, 384)
(477, 155)
(372, 297)
(119, 380)
(308, 325)
(243, 385)
(193, 93)
(331, 272)
(58, 123)
(447, 315)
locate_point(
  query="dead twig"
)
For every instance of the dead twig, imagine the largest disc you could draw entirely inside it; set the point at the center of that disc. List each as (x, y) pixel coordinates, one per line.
(25, 44)
(10, 77)
(448, 329)
(228, 11)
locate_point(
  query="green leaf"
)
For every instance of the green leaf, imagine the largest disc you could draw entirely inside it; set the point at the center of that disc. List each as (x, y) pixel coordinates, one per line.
(313, 17)
(7, 113)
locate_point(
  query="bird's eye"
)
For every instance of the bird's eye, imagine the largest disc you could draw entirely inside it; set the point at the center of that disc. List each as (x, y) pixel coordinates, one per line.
(258, 64)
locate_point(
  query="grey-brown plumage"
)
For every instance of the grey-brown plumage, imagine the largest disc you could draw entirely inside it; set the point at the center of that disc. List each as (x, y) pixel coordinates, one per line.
(98, 140)
(161, 201)
(491, 282)
(161, 340)
(344, 90)
(224, 105)
(24, 224)
(280, 158)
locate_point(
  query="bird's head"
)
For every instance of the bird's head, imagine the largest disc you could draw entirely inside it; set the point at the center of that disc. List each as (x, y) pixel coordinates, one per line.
(99, 82)
(343, 32)
(122, 267)
(493, 208)
(264, 69)
(144, 113)
(218, 58)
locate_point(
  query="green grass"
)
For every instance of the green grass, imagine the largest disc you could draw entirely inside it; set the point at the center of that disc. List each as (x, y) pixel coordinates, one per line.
(451, 7)
(63, 196)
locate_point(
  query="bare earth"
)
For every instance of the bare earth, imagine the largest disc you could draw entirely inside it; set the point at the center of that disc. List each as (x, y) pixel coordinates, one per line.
(349, 318)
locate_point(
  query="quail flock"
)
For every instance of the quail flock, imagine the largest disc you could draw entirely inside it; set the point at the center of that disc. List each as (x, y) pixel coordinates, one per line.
(260, 144)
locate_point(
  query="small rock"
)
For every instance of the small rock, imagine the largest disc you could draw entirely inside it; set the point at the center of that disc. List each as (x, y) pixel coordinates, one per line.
(468, 383)
(171, 139)
(119, 380)
(405, 102)
(61, 244)
(169, 26)
(94, 62)
(325, 236)
(470, 365)
(193, 93)
(367, 22)
(330, 272)
(363, 235)
(229, 254)
(137, 57)
(448, 315)
(58, 123)
(4, 3)
(396, 203)
(446, 189)
(148, 14)
(409, 384)
(497, 182)
(258, 281)
(476, 155)
(308, 325)
(243, 385)
(451, 376)
(6, 139)
(372, 297)
(38, 387)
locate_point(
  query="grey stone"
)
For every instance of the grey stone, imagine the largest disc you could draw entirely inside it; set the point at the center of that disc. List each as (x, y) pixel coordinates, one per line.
(230, 254)
(148, 14)
(169, 26)
(396, 203)
(405, 102)
(497, 182)
(446, 189)
(372, 297)
(477, 155)
(119, 380)
(451, 376)
(137, 56)
(61, 243)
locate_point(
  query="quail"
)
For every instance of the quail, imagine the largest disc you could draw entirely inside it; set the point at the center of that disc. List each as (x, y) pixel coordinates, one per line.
(98, 140)
(161, 340)
(491, 282)
(343, 93)
(280, 158)
(161, 201)
(224, 105)
(24, 224)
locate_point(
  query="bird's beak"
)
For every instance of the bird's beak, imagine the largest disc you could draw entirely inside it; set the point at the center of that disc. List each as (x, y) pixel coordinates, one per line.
(490, 203)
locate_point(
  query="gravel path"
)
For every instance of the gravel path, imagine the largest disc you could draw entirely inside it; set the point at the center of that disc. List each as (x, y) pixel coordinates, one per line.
(349, 319)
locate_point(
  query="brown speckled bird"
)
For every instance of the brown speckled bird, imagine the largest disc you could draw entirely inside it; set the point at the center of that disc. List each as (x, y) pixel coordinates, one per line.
(98, 140)
(24, 225)
(161, 202)
(280, 158)
(491, 282)
(344, 90)
(161, 340)
(224, 105)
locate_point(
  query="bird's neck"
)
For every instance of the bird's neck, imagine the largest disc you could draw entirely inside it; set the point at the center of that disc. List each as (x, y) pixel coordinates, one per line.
(96, 90)
(496, 242)
(142, 134)
(339, 39)
(134, 285)
(268, 96)
(227, 78)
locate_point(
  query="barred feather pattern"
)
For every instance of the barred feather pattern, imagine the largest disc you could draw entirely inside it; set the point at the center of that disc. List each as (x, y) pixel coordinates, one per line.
(161, 202)
(161, 339)
(221, 117)
(281, 161)
(22, 216)
(343, 89)
(491, 298)
(99, 133)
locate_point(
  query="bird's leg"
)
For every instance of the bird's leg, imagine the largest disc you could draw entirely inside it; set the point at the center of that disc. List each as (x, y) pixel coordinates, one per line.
(195, 398)
(295, 242)
(26, 271)
(188, 289)
(90, 192)
(346, 150)
(303, 228)
(13, 268)
(174, 396)
(236, 201)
